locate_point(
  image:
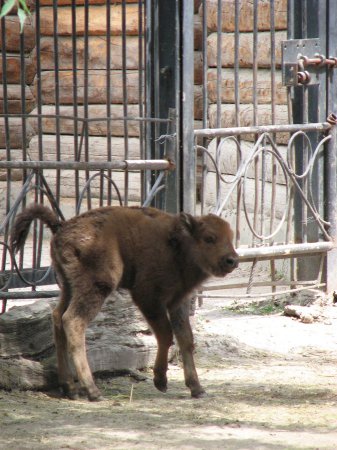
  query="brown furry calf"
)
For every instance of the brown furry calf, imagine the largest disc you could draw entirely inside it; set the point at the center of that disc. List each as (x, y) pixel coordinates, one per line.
(160, 258)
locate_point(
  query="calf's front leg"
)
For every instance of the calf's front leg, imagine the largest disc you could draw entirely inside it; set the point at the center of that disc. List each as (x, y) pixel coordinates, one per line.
(180, 322)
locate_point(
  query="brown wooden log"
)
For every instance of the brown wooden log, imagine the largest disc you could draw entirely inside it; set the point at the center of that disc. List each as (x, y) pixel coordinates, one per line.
(263, 88)
(96, 128)
(198, 102)
(98, 148)
(118, 339)
(31, 3)
(245, 49)
(246, 118)
(198, 68)
(197, 32)
(68, 187)
(97, 20)
(14, 99)
(228, 156)
(13, 69)
(12, 30)
(97, 53)
(246, 15)
(12, 174)
(96, 87)
(15, 133)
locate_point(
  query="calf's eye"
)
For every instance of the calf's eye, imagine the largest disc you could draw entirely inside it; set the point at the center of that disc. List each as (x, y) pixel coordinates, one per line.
(210, 239)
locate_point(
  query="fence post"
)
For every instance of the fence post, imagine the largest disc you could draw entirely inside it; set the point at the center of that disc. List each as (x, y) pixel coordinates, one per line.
(187, 109)
(331, 209)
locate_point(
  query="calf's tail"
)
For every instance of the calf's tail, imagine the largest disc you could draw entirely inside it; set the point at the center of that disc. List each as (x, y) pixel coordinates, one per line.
(22, 223)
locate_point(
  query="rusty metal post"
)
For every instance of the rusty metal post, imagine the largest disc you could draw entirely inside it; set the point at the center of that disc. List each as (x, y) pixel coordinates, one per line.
(331, 210)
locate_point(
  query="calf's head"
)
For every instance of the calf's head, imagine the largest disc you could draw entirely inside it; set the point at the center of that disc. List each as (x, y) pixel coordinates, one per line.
(210, 243)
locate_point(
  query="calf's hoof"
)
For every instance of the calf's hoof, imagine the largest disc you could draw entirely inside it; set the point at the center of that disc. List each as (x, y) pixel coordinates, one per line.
(95, 396)
(160, 383)
(199, 393)
(70, 392)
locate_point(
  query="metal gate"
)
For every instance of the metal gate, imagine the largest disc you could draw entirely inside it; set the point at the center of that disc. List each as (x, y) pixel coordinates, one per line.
(91, 115)
(267, 146)
(97, 108)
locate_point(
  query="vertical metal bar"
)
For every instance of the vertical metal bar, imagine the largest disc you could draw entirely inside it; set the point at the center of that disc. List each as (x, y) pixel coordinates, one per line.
(38, 78)
(331, 195)
(86, 95)
(219, 64)
(75, 89)
(189, 158)
(330, 164)
(141, 68)
(108, 95)
(149, 57)
(57, 97)
(171, 200)
(237, 62)
(23, 104)
(6, 126)
(255, 60)
(178, 106)
(273, 115)
(204, 99)
(156, 86)
(218, 84)
(125, 102)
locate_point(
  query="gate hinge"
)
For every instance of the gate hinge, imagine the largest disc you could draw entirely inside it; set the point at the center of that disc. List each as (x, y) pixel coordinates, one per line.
(303, 62)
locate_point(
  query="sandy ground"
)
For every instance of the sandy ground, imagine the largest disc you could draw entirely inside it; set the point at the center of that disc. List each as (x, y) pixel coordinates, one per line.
(271, 383)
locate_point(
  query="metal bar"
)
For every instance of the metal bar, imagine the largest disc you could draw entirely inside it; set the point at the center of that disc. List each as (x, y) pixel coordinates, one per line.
(24, 295)
(57, 97)
(262, 295)
(86, 94)
(75, 103)
(137, 164)
(239, 285)
(331, 157)
(6, 126)
(89, 119)
(218, 63)
(141, 67)
(189, 159)
(236, 131)
(283, 251)
(125, 102)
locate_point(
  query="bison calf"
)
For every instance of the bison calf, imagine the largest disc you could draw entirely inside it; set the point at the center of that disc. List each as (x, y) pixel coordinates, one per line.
(160, 258)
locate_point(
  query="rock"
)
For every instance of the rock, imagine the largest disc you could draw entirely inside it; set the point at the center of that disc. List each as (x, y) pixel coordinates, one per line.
(119, 339)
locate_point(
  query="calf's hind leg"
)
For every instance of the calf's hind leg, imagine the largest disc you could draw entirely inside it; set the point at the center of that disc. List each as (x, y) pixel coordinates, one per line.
(65, 375)
(86, 302)
(179, 317)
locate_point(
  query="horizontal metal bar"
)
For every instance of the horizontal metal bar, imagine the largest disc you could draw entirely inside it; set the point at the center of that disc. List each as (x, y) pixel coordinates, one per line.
(24, 295)
(260, 295)
(236, 131)
(283, 251)
(13, 280)
(240, 285)
(86, 119)
(140, 164)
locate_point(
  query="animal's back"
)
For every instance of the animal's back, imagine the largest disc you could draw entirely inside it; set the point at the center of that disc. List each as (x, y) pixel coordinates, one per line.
(138, 236)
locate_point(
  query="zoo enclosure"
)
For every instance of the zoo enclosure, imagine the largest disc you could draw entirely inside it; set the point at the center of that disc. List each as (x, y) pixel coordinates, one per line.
(97, 108)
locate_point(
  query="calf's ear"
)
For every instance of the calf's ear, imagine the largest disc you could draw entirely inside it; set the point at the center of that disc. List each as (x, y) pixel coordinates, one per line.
(189, 222)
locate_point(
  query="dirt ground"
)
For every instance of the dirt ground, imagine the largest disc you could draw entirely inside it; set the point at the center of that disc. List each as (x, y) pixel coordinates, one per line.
(271, 383)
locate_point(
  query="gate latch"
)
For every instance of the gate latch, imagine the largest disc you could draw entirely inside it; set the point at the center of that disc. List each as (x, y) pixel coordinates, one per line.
(303, 62)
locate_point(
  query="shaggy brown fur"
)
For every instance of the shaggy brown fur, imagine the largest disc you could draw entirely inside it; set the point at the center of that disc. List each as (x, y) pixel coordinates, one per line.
(159, 257)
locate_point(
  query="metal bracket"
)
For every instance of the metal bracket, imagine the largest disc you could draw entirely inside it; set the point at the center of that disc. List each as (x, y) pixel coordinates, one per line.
(297, 55)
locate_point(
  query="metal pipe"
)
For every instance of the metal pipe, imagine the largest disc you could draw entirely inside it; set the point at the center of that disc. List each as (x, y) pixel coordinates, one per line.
(236, 131)
(130, 164)
(283, 251)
